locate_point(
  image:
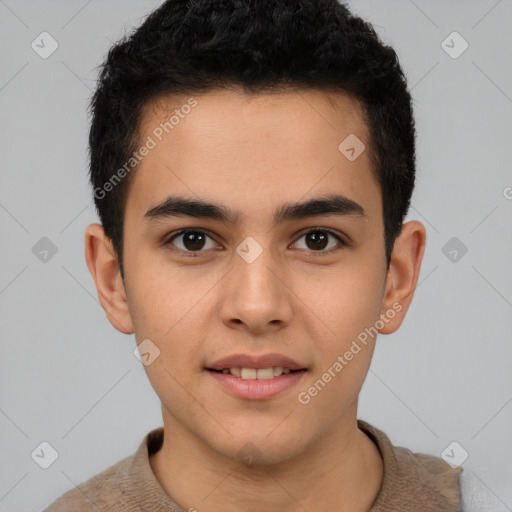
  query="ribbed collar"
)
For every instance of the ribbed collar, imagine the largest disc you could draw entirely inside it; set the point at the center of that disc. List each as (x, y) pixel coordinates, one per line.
(411, 482)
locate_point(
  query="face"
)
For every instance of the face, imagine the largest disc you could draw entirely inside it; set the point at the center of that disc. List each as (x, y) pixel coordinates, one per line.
(287, 271)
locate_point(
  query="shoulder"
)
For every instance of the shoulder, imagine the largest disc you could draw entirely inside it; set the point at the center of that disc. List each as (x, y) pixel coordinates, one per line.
(413, 481)
(432, 473)
(98, 493)
(477, 497)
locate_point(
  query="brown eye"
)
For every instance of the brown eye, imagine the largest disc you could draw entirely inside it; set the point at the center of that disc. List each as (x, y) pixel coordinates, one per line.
(191, 241)
(317, 240)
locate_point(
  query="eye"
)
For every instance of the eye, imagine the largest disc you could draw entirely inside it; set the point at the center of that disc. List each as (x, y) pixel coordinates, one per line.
(192, 241)
(317, 239)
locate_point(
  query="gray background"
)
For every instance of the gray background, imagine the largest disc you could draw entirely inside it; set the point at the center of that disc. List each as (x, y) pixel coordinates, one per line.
(68, 378)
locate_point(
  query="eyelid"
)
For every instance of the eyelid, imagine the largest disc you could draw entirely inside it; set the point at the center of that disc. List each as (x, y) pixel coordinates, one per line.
(342, 242)
(341, 237)
(167, 241)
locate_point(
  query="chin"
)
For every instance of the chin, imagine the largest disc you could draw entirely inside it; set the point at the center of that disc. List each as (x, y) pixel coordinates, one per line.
(259, 448)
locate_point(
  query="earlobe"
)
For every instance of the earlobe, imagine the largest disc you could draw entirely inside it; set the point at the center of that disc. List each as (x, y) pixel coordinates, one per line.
(102, 263)
(403, 275)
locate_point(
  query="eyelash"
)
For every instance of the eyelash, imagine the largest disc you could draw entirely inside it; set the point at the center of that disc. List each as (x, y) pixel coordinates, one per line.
(194, 254)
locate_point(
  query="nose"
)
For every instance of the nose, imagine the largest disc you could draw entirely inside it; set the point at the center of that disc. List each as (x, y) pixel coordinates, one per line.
(256, 297)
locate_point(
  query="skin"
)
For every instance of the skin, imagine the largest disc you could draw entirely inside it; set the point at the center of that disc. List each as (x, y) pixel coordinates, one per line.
(253, 153)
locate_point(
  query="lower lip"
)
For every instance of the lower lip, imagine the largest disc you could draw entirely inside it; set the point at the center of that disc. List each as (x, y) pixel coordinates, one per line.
(254, 389)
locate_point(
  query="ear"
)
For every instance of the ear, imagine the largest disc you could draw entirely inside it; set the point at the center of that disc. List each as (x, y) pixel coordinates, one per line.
(103, 266)
(402, 275)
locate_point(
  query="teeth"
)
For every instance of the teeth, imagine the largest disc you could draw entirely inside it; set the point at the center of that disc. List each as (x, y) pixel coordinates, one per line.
(249, 373)
(265, 373)
(257, 373)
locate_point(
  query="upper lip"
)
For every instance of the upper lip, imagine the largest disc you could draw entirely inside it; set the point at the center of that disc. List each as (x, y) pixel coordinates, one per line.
(256, 361)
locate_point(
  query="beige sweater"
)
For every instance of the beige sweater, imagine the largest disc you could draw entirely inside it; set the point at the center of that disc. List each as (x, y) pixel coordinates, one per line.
(412, 483)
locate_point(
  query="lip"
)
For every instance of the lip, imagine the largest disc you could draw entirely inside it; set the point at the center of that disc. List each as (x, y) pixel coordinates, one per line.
(253, 389)
(256, 361)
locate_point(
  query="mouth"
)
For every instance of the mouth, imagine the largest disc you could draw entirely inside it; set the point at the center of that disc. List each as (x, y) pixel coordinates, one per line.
(256, 373)
(256, 377)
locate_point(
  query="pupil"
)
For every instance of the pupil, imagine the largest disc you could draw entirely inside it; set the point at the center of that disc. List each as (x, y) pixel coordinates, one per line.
(193, 240)
(317, 237)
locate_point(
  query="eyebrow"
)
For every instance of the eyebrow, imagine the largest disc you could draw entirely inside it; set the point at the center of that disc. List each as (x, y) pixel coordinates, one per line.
(176, 206)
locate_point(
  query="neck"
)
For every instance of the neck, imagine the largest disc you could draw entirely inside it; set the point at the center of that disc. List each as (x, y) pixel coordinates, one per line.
(342, 472)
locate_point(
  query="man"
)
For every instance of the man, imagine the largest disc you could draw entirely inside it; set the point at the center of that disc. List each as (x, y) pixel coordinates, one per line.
(252, 165)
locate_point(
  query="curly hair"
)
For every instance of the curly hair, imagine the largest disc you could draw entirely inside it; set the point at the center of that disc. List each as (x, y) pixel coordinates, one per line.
(196, 46)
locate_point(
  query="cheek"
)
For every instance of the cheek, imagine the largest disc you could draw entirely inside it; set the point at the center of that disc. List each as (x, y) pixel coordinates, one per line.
(346, 305)
(163, 296)
(341, 302)
(167, 306)
(344, 357)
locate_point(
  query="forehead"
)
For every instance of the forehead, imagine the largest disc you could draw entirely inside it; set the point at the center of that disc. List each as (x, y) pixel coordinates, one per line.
(253, 150)
(307, 112)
